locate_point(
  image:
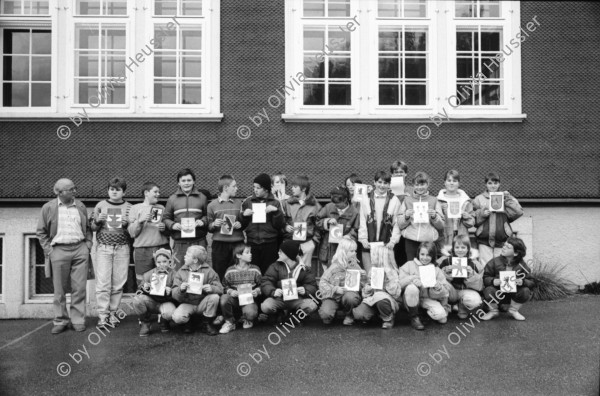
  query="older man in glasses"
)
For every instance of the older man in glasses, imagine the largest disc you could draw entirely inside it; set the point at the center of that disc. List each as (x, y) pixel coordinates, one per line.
(66, 239)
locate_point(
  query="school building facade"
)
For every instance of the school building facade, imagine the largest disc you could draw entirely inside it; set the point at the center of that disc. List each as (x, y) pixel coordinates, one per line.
(93, 89)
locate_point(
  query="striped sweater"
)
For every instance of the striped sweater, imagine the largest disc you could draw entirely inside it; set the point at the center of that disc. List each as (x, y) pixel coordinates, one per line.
(236, 276)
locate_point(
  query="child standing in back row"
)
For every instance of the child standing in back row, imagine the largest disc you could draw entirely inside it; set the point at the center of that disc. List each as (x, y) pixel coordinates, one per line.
(454, 200)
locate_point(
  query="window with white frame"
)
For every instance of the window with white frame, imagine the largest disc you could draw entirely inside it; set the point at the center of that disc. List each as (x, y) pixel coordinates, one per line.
(1, 263)
(403, 59)
(39, 285)
(119, 59)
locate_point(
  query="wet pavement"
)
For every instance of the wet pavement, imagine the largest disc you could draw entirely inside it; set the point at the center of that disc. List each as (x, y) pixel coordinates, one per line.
(556, 351)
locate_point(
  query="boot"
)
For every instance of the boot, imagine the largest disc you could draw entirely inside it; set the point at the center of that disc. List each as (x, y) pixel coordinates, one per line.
(207, 327)
(415, 322)
(145, 329)
(463, 312)
(164, 325)
(514, 310)
(493, 313)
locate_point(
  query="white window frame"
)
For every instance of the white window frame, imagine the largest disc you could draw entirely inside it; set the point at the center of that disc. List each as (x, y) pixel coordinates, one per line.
(32, 297)
(2, 265)
(139, 91)
(441, 66)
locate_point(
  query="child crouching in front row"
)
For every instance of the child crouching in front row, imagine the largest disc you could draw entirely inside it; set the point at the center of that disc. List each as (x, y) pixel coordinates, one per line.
(433, 299)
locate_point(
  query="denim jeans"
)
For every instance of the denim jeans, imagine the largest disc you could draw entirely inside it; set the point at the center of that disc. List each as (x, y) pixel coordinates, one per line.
(112, 266)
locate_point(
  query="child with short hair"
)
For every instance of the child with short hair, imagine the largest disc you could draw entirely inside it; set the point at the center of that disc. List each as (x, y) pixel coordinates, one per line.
(278, 185)
(302, 207)
(417, 233)
(463, 291)
(223, 244)
(448, 196)
(338, 211)
(400, 169)
(493, 228)
(145, 304)
(204, 304)
(113, 253)
(240, 273)
(433, 299)
(331, 285)
(262, 237)
(147, 230)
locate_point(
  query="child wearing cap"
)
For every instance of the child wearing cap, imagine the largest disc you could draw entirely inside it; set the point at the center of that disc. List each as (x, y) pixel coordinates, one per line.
(262, 237)
(289, 266)
(145, 304)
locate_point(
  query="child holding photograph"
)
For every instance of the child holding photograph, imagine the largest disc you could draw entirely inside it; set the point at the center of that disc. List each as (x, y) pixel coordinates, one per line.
(510, 259)
(454, 200)
(332, 284)
(152, 299)
(204, 304)
(240, 273)
(222, 216)
(113, 252)
(384, 301)
(433, 299)
(262, 234)
(463, 291)
(410, 226)
(147, 229)
(278, 187)
(337, 212)
(493, 228)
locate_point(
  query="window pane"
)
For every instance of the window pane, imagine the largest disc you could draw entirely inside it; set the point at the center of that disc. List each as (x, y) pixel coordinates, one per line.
(489, 9)
(165, 65)
(389, 95)
(312, 69)
(16, 68)
(86, 36)
(465, 94)
(16, 41)
(314, 94)
(464, 41)
(11, 7)
(415, 41)
(114, 39)
(490, 94)
(84, 90)
(165, 93)
(191, 7)
(416, 94)
(41, 42)
(388, 41)
(339, 94)
(165, 7)
(339, 67)
(388, 68)
(114, 94)
(169, 39)
(41, 68)
(417, 9)
(388, 9)
(340, 9)
(339, 41)
(191, 93)
(491, 68)
(15, 94)
(116, 7)
(192, 66)
(314, 40)
(40, 94)
(415, 68)
(192, 39)
(88, 7)
(465, 9)
(86, 64)
(490, 41)
(115, 66)
(314, 8)
(464, 67)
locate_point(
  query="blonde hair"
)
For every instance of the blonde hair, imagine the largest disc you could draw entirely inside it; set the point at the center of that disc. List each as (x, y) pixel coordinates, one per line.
(198, 252)
(341, 253)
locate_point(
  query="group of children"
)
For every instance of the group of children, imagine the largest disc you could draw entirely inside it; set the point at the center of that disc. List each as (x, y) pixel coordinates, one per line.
(262, 249)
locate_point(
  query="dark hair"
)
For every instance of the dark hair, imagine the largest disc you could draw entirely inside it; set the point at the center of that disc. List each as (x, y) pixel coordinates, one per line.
(148, 186)
(302, 182)
(519, 247)
(431, 250)
(464, 240)
(354, 179)
(224, 181)
(493, 176)
(238, 248)
(421, 177)
(339, 194)
(453, 173)
(385, 175)
(185, 172)
(118, 182)
(399, 164)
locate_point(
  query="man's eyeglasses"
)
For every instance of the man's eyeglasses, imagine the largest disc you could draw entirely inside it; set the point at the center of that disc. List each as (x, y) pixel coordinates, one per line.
(72, 190)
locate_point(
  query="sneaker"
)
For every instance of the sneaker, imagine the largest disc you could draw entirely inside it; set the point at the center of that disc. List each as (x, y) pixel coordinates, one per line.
(59, 328)
(248, 324)
(516, 314)
(227, 327)
(387, 325)
(348, 320)
(145, 329)
(491, 315)
(219, 320)
(455, 308)
(443, 320)
(102, 321)
(113, 320)
(463, 315)
(164, 326)
(78, 327)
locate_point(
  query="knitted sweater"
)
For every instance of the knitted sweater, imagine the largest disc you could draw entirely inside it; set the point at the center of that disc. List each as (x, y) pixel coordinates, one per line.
(111, 231)
(217, 209)
(236, 276)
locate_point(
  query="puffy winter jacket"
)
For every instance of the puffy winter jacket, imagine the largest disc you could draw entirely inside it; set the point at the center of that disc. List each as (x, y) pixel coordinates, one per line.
(210, 278)
(495, 229)
(186, 205)
(260, 233)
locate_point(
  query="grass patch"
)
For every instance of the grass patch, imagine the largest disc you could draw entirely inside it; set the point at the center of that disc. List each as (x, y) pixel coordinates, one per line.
(550, 281)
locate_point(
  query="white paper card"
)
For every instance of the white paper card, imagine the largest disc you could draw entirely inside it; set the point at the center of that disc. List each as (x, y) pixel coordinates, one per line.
(361, 192)
(227, 226)
(352, 282)
(397, 185)
(156, 215)
(459, 267)
(290, 291)
(299, 231)
(421, 215)
(245, 294)
(508, 281)
(454, 211)
(427, 275)
(377, 276)
(114, 218)
(188, 227)
(158, 284)
(336, 233)
(496, 202)
(373, 245)
(259, 214)
(195, 281)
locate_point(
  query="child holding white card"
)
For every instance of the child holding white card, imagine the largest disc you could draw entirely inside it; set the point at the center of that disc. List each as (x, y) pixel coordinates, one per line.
(147, 301)
(222, 216)
(381, 300)
(409, 223)
(337, 212)
(400, 169)
(493, 228)
(204, 304)
(463, 290)
(331, 285)
(113, 252)
(433, 299)
(147, 229)
(240, 273)
(289, 266)
(302, 208)
(456, 208)
(510, 259)
(262, 236)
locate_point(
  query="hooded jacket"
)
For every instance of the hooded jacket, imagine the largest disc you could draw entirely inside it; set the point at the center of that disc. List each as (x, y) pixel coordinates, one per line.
(181, 205)
(494, 230)
(261, 233)
(462, 225)
(210, 278)
(279, 271)
(419, 232)
(307, 212)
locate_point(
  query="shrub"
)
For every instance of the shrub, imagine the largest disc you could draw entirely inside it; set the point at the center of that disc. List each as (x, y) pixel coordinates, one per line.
(591, 288)
(550, 282)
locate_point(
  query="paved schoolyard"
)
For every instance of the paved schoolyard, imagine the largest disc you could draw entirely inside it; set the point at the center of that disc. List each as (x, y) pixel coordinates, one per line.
(556, 351)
